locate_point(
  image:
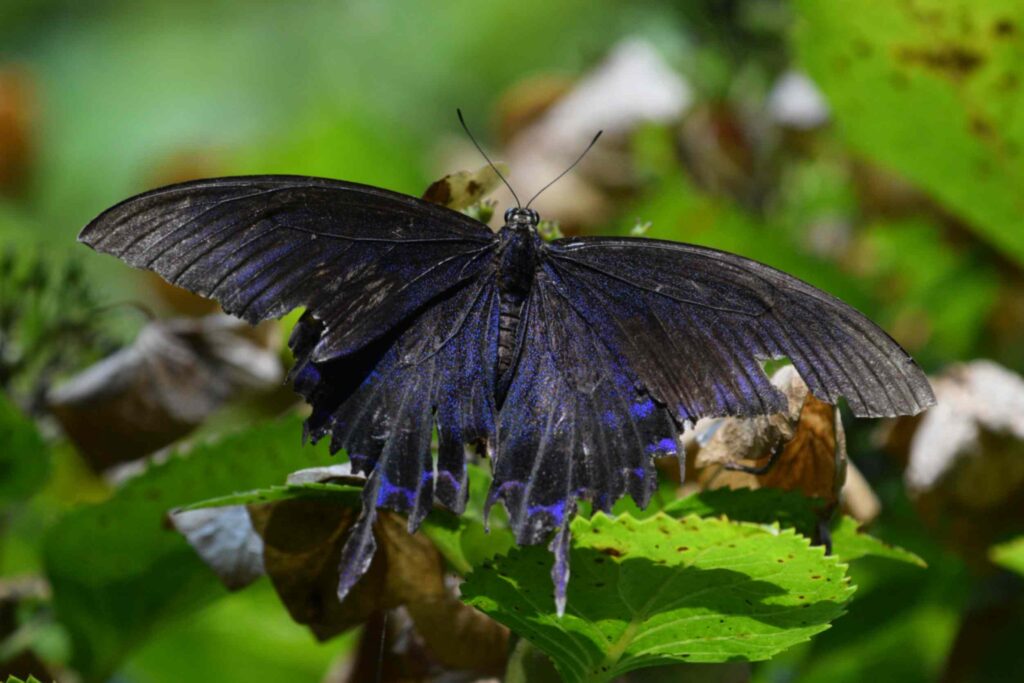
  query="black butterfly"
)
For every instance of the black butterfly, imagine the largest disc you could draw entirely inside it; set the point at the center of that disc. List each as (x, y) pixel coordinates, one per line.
(571, 363)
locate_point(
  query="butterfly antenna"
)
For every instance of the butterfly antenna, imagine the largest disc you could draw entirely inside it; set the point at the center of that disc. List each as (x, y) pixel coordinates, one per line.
(571, 166)
(484, 155)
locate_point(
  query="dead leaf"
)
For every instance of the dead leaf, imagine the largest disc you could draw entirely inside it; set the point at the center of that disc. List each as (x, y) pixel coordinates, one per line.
(979, 404)
(463, 189)
(302, 541)
(302, 544)
(965, 457)
(225, 540)
(175, 374)
(810, 435)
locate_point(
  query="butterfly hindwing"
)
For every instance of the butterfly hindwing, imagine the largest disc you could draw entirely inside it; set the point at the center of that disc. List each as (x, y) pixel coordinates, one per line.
(574, 424)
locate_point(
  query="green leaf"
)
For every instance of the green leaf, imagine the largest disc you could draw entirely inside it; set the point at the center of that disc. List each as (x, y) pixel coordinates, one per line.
(1009, 554)
(343, 494)
(788, 509)
(931, 89)
(849, 544)
(24, 456)
(118, 573)
(15, 679)
(464, 540)
(247, 636)
(655, 591)
(760, 506)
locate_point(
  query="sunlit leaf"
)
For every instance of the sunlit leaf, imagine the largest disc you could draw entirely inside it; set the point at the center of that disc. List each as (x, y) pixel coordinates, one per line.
(788, 509)
(1009, 554)
(661, 590)
(760, 506)
(932, 90)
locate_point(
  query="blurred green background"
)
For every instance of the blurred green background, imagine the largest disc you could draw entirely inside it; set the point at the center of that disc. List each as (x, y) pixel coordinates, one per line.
(872, 148)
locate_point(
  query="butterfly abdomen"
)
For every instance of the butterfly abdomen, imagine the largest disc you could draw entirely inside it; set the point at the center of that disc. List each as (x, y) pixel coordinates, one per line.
(517, 263)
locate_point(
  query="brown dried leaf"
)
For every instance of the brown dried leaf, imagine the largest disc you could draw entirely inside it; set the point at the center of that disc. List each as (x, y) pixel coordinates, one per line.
(160, 388)
(464, 188)
(813, 460)
(302, 540)
(302, 543)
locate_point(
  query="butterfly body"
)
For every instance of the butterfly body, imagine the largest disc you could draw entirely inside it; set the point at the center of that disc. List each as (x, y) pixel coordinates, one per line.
(517, 256)
(573, 363)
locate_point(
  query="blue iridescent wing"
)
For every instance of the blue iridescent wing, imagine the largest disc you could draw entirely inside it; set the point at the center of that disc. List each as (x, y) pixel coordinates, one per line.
(627, 340)
(575, 424)
(358, 258)
(400, 329)
(695, 323)
(382, 403)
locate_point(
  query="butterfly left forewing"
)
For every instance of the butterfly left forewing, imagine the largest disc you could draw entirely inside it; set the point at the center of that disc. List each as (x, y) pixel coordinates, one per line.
(358, 258)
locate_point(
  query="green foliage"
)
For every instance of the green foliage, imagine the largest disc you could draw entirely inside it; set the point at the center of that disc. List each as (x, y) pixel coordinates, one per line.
(1009, 555)
(932, 90)
(660, 590)
(219, 647)
(24, 456)
(850, 544)
(789, 509)
(15, 679)
(464, 540)
(945, 286)
(117, 572)
(760, 506)
(348, 496)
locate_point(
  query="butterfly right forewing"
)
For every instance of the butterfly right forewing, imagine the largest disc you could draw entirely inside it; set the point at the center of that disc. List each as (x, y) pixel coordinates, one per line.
(696, 324)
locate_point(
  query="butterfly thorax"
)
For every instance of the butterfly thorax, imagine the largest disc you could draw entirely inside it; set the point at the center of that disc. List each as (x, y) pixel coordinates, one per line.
(517, 262)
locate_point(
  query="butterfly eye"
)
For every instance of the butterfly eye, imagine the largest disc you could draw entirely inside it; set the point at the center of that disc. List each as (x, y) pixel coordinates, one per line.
(509, 213)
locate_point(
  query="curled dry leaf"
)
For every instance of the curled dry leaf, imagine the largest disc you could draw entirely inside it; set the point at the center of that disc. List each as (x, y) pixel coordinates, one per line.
(463, 189)
(965, 456)
(299, 541)
(810, 434)
(302, 543)
(225, 540)
(812, 458)
(165, 384)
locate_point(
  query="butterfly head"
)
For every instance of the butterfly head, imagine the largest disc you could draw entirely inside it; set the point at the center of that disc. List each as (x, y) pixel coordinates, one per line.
(521, 218)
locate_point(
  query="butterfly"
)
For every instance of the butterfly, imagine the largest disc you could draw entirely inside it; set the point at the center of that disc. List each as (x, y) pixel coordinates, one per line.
(572, 363)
